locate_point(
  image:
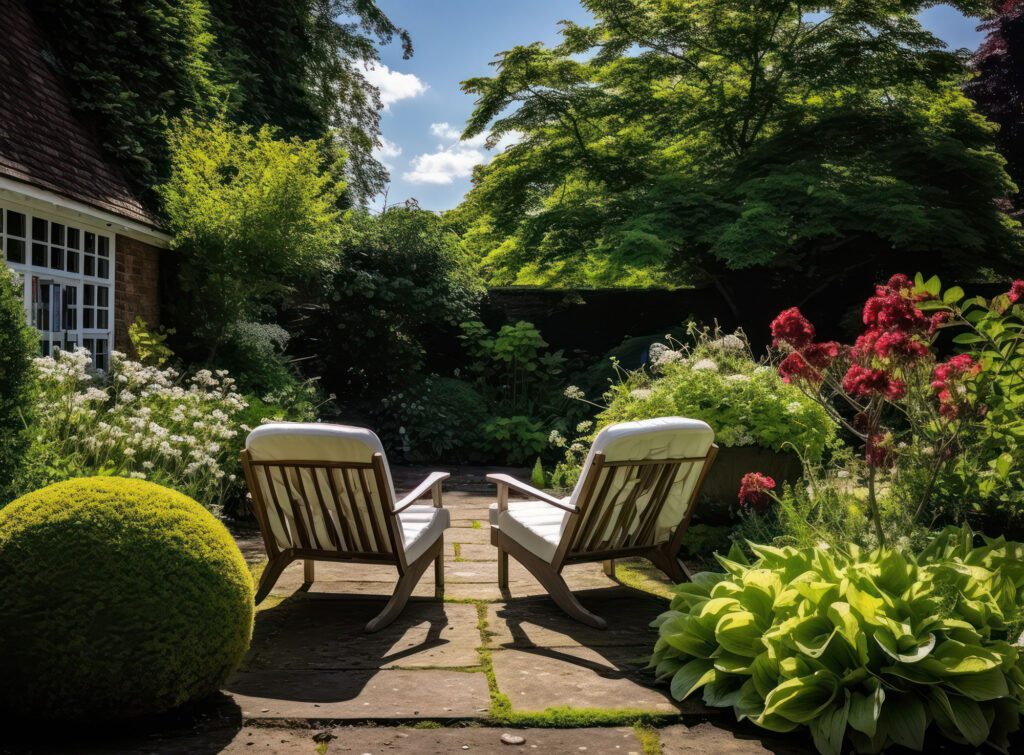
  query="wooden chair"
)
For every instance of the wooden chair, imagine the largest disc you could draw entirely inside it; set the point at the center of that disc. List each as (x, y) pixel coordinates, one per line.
(635, 497)
(324, 493)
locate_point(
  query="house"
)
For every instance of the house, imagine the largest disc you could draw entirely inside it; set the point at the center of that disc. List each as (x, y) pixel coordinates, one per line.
(85, 248)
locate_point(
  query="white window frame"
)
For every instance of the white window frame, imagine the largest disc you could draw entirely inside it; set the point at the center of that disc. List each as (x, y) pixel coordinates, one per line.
(26, 270)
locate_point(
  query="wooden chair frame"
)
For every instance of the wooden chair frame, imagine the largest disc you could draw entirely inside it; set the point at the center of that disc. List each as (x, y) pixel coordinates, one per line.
(581, 541)
(409, 574)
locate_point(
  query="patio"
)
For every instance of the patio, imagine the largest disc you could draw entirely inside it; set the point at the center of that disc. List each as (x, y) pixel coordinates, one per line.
(454, 676)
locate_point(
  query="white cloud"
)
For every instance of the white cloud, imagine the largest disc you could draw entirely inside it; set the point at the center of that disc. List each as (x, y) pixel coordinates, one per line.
(385, 152)
(393, 86)
(451, 161)
(444, 165)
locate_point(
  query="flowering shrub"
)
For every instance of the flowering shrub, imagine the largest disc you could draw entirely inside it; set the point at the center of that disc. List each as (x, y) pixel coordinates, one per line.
(716, 380)
(923, 423)
(136, 421)
(869, 648)
(755, 491)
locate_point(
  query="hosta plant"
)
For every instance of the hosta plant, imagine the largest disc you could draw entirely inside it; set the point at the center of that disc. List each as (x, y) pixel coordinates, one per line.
(871, 648)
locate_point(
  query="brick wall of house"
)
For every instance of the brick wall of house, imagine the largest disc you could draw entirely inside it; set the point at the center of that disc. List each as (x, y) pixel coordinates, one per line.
(137, 287)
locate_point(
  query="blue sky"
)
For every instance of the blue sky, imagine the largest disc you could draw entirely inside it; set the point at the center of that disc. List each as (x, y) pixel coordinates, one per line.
(456, 40)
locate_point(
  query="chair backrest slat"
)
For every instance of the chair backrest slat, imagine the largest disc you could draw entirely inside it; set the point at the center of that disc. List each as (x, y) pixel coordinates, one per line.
(638, 485)
(332, 494)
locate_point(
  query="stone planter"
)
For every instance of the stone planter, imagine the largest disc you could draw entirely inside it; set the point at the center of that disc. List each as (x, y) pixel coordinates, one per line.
(718, 498)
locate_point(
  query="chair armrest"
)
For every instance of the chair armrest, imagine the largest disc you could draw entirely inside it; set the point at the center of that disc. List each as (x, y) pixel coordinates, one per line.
(432, 483)
(511, 483)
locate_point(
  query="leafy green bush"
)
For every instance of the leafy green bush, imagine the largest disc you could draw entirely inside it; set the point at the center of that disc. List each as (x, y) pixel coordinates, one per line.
(401, 282)
(252, 217)
(515, 439)
(874, 647)
(437, 419)
(118, 598)
(18, 344)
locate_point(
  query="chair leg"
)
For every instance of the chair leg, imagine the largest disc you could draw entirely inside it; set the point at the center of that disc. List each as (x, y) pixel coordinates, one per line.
(308, 572)
(609, 567)
(554, 583)
(671, 565)
(502, 568)
(439, 573)
(406, 584)
(268, 579)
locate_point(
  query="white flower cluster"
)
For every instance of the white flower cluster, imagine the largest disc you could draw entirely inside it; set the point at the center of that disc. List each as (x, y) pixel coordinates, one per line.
(139, 421)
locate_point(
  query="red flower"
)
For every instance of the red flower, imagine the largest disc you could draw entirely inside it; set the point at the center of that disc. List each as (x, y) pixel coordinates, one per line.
(754, 489)
(865, 382)
(937, 321)
(793, 328)
(898, 345)
(795, 368)
(821, 355)
(899, 282)
(1016, 292)
(892, 308)
(947, 373)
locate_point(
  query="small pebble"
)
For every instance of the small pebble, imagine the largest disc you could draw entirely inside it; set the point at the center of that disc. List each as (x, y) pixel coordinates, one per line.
(512, 739)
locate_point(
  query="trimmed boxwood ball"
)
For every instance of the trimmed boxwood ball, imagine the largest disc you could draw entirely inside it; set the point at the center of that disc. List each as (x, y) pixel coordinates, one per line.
(118, 598)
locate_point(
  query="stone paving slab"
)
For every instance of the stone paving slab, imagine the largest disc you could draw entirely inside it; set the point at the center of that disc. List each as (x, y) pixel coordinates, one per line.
(578, 677)
(470, 551)
(327, 634)
(709, 738)
(359, 695)
(400, 739)
(538, 622)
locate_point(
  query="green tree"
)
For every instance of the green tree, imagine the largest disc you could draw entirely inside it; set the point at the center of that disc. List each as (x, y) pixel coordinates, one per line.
(18, 345)
(132, 66)
(299, 65)
(252, 216)
(677, 141)
(402, 281)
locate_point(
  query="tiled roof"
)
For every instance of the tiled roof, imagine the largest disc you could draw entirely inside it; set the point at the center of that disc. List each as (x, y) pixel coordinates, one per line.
(42, 141)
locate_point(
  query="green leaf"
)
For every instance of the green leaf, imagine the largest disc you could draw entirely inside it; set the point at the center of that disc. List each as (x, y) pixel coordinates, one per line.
(933, 285)
(829, 728)
(865, 709)
(953, 295)
(986, 685)
(905, 720)
(690, 677)
(739, 633)
(961, 713)
(803, 698)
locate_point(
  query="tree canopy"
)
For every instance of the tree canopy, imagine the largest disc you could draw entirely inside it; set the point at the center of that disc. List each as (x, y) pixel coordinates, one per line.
(297, 65)
(680, 141)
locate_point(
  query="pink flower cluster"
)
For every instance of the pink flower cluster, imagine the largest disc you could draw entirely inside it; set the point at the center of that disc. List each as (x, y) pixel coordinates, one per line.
(808, 360)
(866, 382)
(948, 377)
(1016, 292)
(754, 495)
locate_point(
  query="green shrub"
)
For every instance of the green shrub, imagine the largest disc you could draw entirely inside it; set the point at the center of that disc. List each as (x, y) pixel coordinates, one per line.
(874, 647)
(436, 419)
(18, 344)
(118, 598)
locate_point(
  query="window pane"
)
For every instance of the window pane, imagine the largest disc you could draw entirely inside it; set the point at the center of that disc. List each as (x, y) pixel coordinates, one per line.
(39, 255)
(103, 295)
(90, 294)
(102, 321)
(56, 258)
(72, 260)
(104, 246)
(38, 229)
(104, 269)
(88, 320)
(90, 265)
(15, 224)
(74, 238)
(57, 234)
(90, 242)
(15, 251)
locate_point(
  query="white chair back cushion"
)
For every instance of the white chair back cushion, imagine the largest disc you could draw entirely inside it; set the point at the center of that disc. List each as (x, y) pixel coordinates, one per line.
(330, 505)
(659, 438)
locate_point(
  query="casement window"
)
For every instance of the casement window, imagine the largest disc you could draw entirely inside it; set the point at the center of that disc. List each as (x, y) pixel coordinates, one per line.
(67, 270)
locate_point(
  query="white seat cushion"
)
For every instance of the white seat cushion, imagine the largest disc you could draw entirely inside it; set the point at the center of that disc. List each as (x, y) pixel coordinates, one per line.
(421, 527)
(535, 525)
